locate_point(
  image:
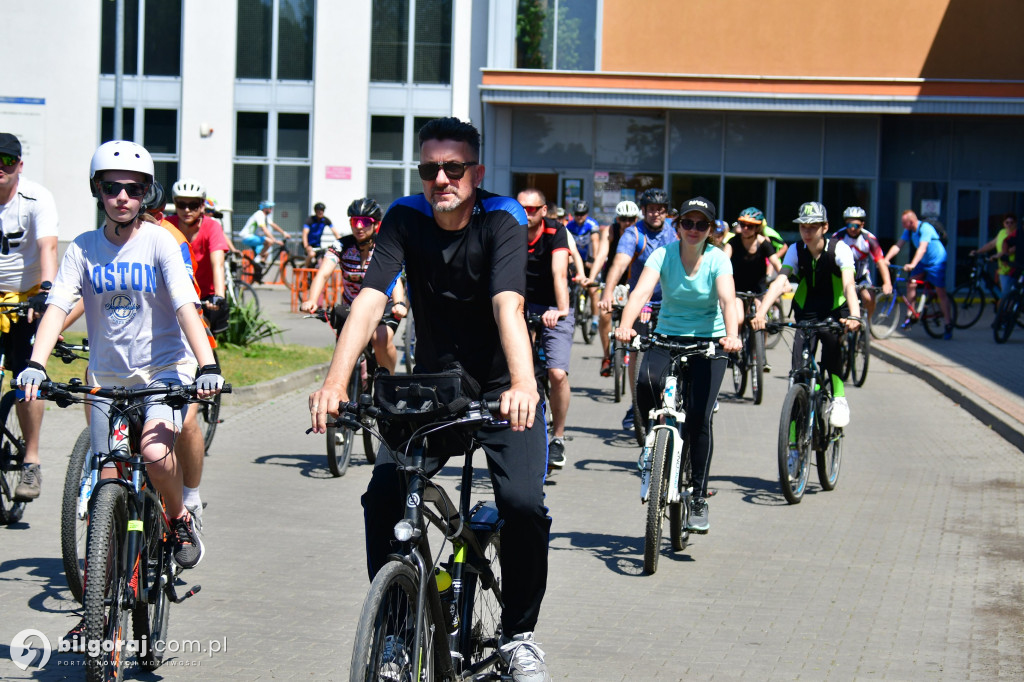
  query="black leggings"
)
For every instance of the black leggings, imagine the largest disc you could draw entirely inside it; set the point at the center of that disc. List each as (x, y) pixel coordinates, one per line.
(518, 464)
(705, 378)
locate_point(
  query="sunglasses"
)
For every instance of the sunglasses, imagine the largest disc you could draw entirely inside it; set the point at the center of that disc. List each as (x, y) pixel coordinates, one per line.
(699, 225)
(8, 160)
(746, 226)
(190, 205)
(361, 222)
(453, 170)
(135, 190)
(853, 226)
(529, 209)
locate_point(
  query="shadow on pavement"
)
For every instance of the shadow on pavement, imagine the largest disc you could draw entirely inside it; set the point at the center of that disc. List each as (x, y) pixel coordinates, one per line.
(48, 572)
(615, 437)
(616, 466)
(622, 555)
(311, 466)
(757, 490)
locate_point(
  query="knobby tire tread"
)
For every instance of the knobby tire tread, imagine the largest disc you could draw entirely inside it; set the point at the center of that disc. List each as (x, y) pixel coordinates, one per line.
(72, 529)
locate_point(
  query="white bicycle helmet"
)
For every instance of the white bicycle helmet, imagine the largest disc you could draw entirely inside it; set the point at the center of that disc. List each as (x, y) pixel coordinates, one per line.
(187, 187)
(855, 212)
(627, 209)
(119, 155)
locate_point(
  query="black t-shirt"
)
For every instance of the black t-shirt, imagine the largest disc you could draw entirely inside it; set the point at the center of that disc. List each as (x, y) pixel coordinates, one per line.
(451, 279)
(540, 284)
(750, 270)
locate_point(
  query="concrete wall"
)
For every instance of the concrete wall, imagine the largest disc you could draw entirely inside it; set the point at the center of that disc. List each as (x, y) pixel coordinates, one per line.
(57, 67)
(868, 38)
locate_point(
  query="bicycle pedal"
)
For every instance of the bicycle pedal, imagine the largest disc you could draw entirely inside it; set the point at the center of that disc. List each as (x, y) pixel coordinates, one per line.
(176, 599)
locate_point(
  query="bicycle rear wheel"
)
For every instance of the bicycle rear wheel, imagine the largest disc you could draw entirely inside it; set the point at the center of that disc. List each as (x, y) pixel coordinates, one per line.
(1006, 319)
(931, 316)
(757, 366)
(886, 316)
(74, 514)
(251, 271)
(679, 512)
(150, 617)
(971, 305)
(480, 627)
(774, 314)
(584, 316)
(739, 363)
(12, 460)
(795, 443)
(409, 338)
(383, 648)
(107, 585)
(845, 354)
(656, 502)
(861, 356)
(619, 371)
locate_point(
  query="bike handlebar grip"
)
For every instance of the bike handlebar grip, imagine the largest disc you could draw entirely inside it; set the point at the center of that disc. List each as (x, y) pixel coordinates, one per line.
(226, 388)
(493, 406)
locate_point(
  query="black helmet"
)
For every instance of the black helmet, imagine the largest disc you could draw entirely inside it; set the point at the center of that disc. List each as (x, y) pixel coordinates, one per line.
(155, 198)
(655, 195)
(319, 206)
(365, 207)
(580, 208)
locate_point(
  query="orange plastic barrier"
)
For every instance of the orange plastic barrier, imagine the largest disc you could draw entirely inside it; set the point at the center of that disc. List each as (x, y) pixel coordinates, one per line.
(302, 279)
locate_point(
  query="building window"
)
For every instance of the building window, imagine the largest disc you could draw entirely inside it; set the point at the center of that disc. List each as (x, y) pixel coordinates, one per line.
(394, 153)
(161, 49)
(160, 131)
(272, 161)
(430, 51)
(107, 124)
(259, 42)
(556, 34)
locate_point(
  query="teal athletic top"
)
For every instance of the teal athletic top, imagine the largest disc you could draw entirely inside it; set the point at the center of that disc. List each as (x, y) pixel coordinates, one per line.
(689, 304)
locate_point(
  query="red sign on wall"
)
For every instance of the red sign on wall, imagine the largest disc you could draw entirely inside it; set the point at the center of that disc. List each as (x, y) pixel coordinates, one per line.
(339, 172)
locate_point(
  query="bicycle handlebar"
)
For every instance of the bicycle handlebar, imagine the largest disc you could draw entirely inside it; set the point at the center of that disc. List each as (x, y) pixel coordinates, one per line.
(69, 352)
(705, 348)
(830, 323)
(62, 393)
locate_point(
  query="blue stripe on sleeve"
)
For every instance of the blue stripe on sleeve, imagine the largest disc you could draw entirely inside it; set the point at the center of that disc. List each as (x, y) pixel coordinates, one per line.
(507, 204)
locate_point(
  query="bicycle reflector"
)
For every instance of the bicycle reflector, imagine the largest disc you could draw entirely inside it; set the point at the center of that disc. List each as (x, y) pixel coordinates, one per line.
(619, 294)
(403, 531)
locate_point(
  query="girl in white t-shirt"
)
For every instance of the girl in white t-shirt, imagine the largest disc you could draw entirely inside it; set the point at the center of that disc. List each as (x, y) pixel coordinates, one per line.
(140, 301)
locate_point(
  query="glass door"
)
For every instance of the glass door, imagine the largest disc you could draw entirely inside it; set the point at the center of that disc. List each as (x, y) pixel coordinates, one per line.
(979, 215)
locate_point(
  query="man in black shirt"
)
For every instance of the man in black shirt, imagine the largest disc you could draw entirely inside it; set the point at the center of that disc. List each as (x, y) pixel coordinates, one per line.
(464, 252)
(547, 295)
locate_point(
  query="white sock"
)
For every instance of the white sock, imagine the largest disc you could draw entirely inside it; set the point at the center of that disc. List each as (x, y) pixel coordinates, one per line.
(192, 497)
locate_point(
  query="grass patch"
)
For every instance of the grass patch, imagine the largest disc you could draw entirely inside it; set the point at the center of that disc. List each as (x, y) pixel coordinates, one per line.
(241, 366)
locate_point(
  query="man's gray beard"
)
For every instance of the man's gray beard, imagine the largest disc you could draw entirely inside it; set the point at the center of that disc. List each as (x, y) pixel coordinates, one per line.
(452, 206)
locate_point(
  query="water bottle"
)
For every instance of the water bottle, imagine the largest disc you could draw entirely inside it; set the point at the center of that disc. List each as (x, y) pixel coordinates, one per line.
(448, 604)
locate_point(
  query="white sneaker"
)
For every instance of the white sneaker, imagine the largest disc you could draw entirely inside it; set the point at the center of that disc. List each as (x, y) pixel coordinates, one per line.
(839, 416)
(523, 658)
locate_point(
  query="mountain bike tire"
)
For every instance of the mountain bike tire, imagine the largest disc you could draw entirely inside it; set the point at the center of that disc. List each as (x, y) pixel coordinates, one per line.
(106, 617)
(861, 356)
(656, 502)
(757, 367)
(246, 295)
(74, 528)
(775, 314)
(933, 321)
(1006, 320)
(339, 454)
(150, 617)
(389, 610)
(795, 438)
(971, 305)
(619, 372)
(887, 315)
(480, 620)
(12, 459)
(583, 316)
(739, 364)
(679, 512)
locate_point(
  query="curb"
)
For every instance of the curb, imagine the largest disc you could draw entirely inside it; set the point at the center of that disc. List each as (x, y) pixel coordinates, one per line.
(981, 409)
(275, 387)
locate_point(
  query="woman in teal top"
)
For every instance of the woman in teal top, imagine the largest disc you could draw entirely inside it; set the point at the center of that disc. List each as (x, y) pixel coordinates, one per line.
(698, 304)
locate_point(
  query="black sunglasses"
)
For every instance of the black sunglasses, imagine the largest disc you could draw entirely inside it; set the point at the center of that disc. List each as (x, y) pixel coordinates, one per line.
(452, 169)
(136, 190)
(8, 160)
(699, 225)
(190, 205)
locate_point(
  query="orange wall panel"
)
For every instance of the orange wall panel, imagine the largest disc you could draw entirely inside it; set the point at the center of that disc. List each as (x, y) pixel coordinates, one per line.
(972, 39)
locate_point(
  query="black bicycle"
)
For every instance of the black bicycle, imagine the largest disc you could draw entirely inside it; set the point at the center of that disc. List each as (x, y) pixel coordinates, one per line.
(131, 572)
(284, 257)
(974, 295)
(619, 350)
(750, 360)
(1010, 312)
(855, 354)
(12, 442)
(536, 326)
(804, 424)
(580, 301)
(422, 621)
(340, 439)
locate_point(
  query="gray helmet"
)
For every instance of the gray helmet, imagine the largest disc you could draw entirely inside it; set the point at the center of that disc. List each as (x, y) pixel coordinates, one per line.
(155, 198)
(580, 208)
(855, 212)
(365, 207)
(654, 195)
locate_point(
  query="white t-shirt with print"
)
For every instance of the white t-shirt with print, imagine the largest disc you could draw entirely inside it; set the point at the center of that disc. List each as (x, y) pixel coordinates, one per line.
(254, 225)
(131, 296)
(29, 216)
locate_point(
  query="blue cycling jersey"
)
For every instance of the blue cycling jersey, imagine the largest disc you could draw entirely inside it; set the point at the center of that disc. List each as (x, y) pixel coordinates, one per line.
(581, 234)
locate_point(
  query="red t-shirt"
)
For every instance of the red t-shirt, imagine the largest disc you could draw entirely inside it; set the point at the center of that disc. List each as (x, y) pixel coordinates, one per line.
(208, 239)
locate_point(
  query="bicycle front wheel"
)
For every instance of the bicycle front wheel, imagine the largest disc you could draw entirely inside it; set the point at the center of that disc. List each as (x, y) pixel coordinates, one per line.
(657, 502)
(829, 457)
(341, 438)
(845, 354)
(971, 304)
(106, 586)
(795, 443)
(480, 628)
(861, 356)
(74, 514)
(584, 316)
(679, 512)
(152, 613)
(210, 416)
(886, 316)
(247, 296)
(1006, 319)
(385, 635)
(774, 314)
(12, 459)
(757, 366)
